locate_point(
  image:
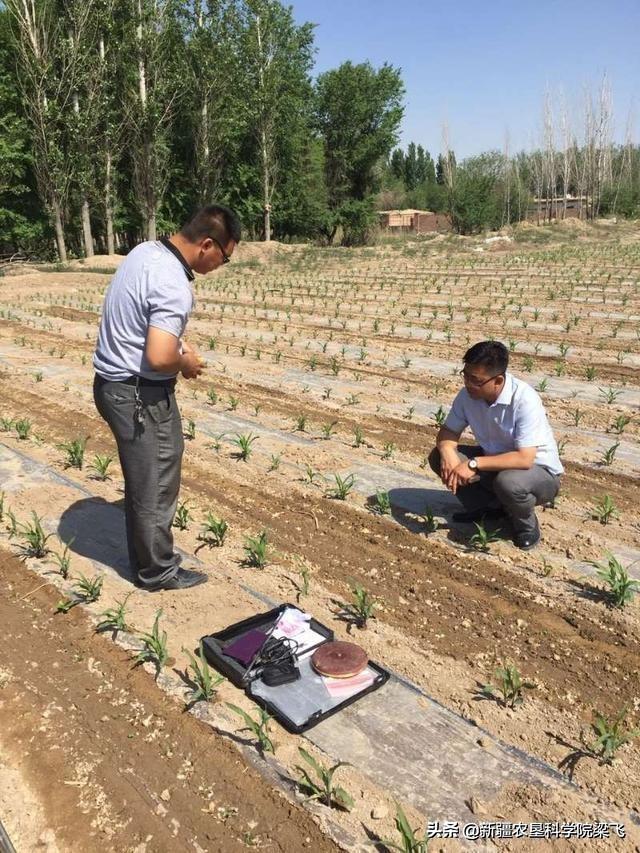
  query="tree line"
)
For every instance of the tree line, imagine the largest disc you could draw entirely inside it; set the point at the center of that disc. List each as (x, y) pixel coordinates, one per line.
(121, 116)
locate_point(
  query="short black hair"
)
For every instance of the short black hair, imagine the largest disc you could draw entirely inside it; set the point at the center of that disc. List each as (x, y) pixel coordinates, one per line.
(214, 220)
(492, 355)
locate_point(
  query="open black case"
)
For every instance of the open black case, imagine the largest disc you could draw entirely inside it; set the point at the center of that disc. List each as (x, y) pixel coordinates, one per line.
(303, 703)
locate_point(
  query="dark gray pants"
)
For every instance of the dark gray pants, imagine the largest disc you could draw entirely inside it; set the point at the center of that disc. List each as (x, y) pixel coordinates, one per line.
(151, 459)
(518, 492)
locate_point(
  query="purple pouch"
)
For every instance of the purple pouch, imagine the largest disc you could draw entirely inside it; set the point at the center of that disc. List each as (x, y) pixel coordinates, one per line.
(245, 647)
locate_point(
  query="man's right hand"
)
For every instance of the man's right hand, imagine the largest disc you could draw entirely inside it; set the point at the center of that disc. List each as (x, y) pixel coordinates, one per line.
(191, 365)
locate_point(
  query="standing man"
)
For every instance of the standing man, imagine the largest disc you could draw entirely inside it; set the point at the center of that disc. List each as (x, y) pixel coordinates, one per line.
(516, 465)
(139, 353)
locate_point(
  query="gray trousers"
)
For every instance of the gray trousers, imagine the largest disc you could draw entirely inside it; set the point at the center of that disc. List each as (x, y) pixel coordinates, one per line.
(151, 460)
(518, 492)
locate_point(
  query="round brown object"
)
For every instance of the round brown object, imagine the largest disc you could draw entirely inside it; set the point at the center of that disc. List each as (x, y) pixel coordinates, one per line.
(338, 659)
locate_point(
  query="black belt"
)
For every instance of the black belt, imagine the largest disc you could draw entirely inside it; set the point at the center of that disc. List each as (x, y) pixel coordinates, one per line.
(140, 381)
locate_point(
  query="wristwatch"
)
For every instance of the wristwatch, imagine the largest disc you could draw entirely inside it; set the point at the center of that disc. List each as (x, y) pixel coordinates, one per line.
(473, 464)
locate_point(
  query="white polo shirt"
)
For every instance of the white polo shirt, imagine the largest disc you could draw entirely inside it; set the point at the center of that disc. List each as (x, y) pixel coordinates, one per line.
(516, 419)
(150, 288)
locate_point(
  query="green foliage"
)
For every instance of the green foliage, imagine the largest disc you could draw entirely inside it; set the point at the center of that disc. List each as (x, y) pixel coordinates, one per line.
(343, 486)
(611, 735)
(244, 443)
(63, 560)
(115, 618)
(410, 843)
(23, 428)
(604, 510)
(154, 646)
(322, 786)
(358, 114)
(214, 531)
(361, 607)
(35, 544)
(256, 549)
(85, 590)
(206, 682)
(101, 464)
(74, 451)
(182, 517)
(482, 538)
(382, 503)
(259, 728)
(510, 687)
(620, 587)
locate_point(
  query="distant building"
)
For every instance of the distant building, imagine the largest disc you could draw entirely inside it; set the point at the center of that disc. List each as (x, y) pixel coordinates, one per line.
(412, 221)
(573, 207)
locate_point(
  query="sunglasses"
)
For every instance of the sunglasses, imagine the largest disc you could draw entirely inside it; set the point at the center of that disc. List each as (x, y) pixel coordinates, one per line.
(225, 258)
(470, 380)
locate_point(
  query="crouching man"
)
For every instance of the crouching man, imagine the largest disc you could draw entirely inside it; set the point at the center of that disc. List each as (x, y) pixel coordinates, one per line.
(516, 466)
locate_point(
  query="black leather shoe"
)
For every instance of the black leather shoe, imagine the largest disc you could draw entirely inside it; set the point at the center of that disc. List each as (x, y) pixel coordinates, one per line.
(478, 514)
(526, 541)
(183, 579)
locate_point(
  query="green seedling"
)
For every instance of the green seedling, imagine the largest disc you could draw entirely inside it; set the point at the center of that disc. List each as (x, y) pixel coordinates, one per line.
(259, 728)
(361, 607)
(206, 682)
(74, 451)
(328, 429)
(611, 735)
(244, 443)
(12, 527)
(213, 342)
(605, 510)
(190, 430)
(276, 459)
(256, 549)
(440, 416)
(482, 538)
(609, 395)
(182, 517)
(35, 537)
(216, 444)
(23, 428)
(353, 400)
(409, 837)
(578, 415)
(38, 376)
(322, 787)
(619, 424)
(101, 464)
(509, 690)
(305, 574)
(301, 423)
(430, 523)
(212, 396)
(609, 455)
(388, 450)
(358, 437)
(590, 373)
(382, 503)
(547, 567)
(63, 561)
(234, 402)
(406, 361)
(343, 486)
(213, 532)
(115, 618)
(542, 386)
(6, 424)
(311, 474)
(620, 587)
(154, 646)
(85, 590)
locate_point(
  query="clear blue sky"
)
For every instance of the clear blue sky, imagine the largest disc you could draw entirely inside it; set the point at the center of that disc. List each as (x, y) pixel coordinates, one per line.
(484, 67)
